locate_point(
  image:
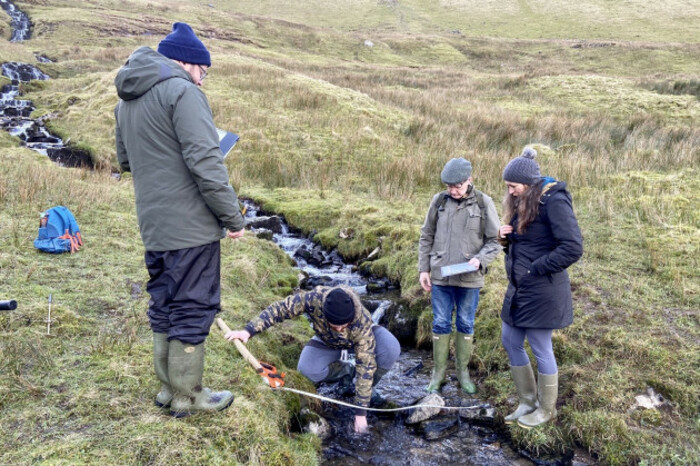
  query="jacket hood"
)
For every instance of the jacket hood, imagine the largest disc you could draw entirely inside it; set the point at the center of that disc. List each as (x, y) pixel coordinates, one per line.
(551, 185)
(144, 69)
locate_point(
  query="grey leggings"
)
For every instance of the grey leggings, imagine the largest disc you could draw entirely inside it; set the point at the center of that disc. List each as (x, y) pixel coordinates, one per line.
(540, 339)
(316, 357)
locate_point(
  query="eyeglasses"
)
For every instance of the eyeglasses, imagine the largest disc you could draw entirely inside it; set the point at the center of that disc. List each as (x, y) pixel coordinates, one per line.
(202, 72)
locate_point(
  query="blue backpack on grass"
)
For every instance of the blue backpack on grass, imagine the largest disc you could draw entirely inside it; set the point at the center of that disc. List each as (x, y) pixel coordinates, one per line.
(58, 231)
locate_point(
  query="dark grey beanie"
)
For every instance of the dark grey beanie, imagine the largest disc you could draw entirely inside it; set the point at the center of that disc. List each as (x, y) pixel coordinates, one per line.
(523, 169)
(456, 171)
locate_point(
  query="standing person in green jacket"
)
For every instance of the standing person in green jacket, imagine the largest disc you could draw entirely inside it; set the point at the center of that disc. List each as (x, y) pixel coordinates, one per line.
(461, 226)
(166, 138)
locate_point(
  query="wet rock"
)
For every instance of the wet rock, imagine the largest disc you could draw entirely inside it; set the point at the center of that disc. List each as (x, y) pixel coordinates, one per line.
(272, 223)
(421, 414)
(313, 282)
(436, 429)
(264, 233)
(317, 259)
(402, 323)
(313, 256)
(480, 413)
(312, 423)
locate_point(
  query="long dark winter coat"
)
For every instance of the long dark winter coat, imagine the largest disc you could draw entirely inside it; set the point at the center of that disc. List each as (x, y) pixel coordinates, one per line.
(539, 291)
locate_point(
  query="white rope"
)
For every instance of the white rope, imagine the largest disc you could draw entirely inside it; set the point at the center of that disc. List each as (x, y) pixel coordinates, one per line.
(386, 410)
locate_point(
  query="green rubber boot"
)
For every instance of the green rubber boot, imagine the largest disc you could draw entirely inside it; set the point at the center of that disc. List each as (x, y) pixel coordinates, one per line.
(185, 367)
(160, 362)
(441, 349)
(526, 387)
(343, 373)
(377, 399)
(463, 352)
(547, 391)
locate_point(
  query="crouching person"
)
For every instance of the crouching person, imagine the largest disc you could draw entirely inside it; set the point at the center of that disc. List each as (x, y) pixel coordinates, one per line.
(341, 324)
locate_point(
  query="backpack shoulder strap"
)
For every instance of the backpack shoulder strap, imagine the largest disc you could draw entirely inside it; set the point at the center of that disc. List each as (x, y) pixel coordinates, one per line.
(440, 203)
(482, 207)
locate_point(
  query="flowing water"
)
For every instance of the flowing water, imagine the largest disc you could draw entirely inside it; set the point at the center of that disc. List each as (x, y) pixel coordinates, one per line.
(468, 436)
(15, 113)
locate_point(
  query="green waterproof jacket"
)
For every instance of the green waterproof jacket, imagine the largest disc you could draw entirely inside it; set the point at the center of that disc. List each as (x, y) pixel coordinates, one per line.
(166, 137)
(453, 233)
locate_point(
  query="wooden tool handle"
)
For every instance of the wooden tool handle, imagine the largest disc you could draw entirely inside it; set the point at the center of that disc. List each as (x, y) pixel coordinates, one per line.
(240, 346)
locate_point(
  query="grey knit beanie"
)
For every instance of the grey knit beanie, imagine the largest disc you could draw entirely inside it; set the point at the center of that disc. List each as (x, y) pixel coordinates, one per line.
(523, 169)
(456, 171)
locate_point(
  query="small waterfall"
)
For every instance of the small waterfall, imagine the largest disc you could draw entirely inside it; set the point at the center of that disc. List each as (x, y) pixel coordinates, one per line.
(15, 113)
(21, 26)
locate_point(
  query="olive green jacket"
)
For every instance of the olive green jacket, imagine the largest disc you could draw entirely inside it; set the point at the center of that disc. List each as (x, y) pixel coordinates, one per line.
(357, 335)
(165, 136)
(452, 234)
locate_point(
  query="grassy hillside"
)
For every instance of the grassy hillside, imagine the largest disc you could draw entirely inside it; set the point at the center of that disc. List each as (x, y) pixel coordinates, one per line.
(340, 134)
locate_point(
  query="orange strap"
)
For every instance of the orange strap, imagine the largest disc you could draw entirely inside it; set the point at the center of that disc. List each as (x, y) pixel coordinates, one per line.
(75, 241)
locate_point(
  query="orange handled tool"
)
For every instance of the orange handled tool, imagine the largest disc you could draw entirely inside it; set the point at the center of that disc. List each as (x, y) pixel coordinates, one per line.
(267, 371)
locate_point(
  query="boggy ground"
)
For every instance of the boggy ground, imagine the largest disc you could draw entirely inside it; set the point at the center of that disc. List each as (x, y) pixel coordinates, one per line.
(339, 136)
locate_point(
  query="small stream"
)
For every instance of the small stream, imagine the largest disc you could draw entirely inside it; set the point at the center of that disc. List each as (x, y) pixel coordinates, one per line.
(468, 436)
(15, 113)
(19, 21)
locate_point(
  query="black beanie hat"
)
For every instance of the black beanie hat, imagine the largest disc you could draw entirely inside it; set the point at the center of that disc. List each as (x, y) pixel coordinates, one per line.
(338, 307)
(182, 45)
(523, 169)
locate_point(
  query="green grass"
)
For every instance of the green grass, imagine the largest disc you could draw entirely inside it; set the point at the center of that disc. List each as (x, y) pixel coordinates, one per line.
(339, 136)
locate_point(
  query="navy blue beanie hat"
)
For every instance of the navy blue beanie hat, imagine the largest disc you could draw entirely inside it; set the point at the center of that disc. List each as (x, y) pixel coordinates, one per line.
(183, 45)
(338, 307)
(523, 169)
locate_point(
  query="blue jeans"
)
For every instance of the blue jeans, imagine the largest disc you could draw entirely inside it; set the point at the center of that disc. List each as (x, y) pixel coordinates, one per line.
(447, 298)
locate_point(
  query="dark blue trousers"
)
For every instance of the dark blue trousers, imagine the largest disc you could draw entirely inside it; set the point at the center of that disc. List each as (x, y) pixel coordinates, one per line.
(185, 289)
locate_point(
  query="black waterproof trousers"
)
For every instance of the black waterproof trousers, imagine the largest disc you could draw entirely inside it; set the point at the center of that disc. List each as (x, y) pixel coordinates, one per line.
(185, 289)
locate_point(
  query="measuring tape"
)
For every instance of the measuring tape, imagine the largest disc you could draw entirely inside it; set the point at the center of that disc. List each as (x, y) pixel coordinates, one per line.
(385, 410)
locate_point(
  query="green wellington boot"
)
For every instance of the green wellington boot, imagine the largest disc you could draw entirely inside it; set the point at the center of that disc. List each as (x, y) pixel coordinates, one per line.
(441, 349)
(160, 362)
(185, 367)
(343, 373)
(463, 352)
(526, 387)
(377, 399)
(547, 391)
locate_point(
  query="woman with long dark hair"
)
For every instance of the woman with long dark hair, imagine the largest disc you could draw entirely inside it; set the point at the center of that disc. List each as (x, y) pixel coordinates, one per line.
(542, 239)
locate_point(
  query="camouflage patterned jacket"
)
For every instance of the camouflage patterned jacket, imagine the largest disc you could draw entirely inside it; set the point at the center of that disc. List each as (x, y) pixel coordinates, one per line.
(357, 335)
